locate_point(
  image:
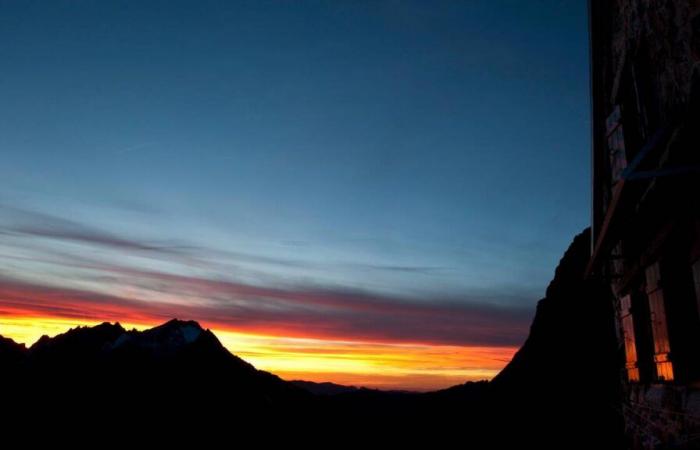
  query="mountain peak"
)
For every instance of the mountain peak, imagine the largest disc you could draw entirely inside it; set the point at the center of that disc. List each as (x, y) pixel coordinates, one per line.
(182, 331)
(169, 337)
(174, 365)
(84, 337)
(179, 322)
(11, 351)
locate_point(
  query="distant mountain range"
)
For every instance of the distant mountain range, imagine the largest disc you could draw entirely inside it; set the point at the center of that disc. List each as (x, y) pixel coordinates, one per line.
(325, 388)
(180, 373)
(177, 372)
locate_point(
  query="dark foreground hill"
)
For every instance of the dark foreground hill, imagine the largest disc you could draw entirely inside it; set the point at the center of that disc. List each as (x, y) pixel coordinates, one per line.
(560, 389)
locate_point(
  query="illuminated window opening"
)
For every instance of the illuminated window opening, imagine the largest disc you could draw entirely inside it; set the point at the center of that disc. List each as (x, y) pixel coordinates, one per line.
(659, 325)
(628, 335)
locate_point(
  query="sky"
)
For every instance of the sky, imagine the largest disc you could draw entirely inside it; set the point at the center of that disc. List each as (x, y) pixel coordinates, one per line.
(373, 193)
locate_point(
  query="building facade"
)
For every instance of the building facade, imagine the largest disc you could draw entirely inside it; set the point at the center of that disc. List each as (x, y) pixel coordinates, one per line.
(645, 86)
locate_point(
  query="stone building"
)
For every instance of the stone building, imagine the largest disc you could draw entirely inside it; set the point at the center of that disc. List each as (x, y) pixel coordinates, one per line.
(645, 85)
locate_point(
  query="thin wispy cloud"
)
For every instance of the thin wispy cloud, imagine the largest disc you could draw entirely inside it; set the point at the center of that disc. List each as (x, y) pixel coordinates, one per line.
(281, 308)
(30, 223)
(298, 313)
(26, 222)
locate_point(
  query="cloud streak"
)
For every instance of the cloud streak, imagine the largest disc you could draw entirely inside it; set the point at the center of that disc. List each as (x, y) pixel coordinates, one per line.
(97, 289)
(273, 310)
(34, 224)
(330, 314)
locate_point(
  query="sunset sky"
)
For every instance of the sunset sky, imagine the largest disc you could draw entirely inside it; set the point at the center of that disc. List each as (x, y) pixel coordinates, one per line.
(371, 193)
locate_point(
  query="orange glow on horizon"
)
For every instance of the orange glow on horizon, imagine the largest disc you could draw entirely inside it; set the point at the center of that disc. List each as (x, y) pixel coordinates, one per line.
(383, 365)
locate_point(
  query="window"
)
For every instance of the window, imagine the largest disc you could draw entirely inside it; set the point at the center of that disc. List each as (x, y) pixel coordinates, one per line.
(618, 264)
(628, 335)
(659, 327)
(696, 279)
(616, 145)
(695, 26)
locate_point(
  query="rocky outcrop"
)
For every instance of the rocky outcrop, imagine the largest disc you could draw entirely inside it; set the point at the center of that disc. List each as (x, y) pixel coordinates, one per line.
(563, 383)
(11, 352)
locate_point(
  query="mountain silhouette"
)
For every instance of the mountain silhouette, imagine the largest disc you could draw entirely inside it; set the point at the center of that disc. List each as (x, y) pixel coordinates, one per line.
(562, 383)
(177, 372)
(178, 375)
(324, 388)
(11, 352)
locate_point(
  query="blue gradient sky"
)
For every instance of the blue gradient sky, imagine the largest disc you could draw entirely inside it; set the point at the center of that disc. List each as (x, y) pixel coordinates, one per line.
(410, 150)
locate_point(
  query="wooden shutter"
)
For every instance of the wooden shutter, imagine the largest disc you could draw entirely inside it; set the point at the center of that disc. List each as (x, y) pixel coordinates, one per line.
(628, 336)
(659, 325)
(696, 278)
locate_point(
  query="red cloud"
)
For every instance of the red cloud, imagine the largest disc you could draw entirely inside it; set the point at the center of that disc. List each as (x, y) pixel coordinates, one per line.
(283, 312)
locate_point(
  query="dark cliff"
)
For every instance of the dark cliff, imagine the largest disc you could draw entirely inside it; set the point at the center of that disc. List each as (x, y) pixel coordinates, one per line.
(563, 383)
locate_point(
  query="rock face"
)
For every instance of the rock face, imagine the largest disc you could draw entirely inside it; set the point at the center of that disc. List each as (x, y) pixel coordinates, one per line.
(563, 383)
